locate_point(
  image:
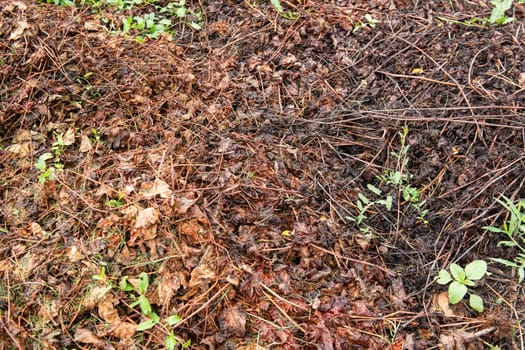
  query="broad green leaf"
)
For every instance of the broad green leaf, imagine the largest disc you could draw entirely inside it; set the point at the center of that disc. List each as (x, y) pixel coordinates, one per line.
(363, 198)
(468, 282)
(186, 344)
(456, 292)
(374, 189)
(173, 319)
(41, 162)
(124, 285)
(171, 341)
(521, 274)
(476, 269)
(148, 324)
(277, 5)
(444, 277)
(143, 283)
(476, 302)
(145, 306)
(457, 272)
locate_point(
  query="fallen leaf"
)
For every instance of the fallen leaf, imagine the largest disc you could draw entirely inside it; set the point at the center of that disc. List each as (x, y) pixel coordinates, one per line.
(21, 150)
(85, 144)
(146, 217)
(443, 304)
(201, 276)
(232, 321)
(182, 204)
(123, 330)
(149, 190)
(73, 254)
(107, 311)
(83, 335)
(69, 137)
(19, 31)
(94, 296)
(37, 230)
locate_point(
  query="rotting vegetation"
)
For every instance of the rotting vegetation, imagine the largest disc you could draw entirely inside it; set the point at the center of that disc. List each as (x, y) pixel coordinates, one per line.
(195, 190)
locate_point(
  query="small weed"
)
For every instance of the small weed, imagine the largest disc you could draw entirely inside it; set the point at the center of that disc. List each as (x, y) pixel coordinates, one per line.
(140, 286)
(285, 14)
(369, 22)
(152, 24)
(398, 179)
(497, 15)
(514, 229)
(460, 279)
(118, 202)
(146, 310)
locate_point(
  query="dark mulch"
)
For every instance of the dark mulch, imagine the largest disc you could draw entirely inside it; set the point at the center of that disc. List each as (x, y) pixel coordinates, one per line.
(233, 157)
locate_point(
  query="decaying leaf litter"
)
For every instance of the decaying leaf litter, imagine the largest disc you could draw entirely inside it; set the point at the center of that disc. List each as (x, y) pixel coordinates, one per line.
(226, 164)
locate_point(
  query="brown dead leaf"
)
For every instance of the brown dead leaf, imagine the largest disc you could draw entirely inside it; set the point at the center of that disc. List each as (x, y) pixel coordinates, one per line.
(182, 204)
(107, 311)
(21, 150)
(85, 144)
(73, 254)
(169, 285)
(232, 321)
(123, 330)
(192, 228)
(201, 276)
(158, 187)
(85, 336)
(441, 303)
(36, 230)
(146, 217)
(69, 137)
(94, 296)
(16, 34)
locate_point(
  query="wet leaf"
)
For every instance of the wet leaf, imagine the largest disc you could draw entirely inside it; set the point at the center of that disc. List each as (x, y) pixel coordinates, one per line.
(476, 302)
(456, 292)
(149, 190)
(476, 269)
(146, 217)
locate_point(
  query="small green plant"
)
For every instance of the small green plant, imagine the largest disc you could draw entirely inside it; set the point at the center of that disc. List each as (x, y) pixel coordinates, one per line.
(48, 173)
(364, 204)
(152, 318)
(285, 14)
(116, 202)
(497, 16)
(152, 24)
(369, 22)
(460, 279)
(514, 229)
(397, 179)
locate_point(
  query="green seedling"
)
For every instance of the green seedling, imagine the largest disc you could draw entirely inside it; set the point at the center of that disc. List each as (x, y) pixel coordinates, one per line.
(460, 279)
(115, 203)
(514, 229)
(46, 173)
(398, 179)
(152, 24)
(285, 14)
(369, 22)
(497, 16)
(152, 318)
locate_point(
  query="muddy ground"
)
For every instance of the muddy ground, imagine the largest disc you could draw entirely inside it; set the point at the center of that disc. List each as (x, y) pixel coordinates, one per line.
(226, 164)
